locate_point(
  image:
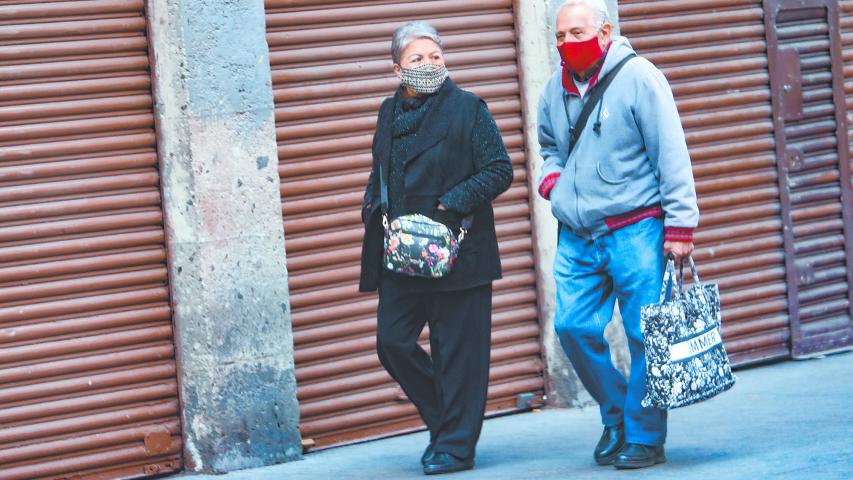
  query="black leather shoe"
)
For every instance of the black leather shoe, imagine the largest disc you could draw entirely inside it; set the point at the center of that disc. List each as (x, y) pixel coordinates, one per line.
(428, 454)
(635, 455)
(446, 463)
(612, 440)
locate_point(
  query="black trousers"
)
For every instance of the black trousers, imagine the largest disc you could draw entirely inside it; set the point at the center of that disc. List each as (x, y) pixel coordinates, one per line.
(449, 386)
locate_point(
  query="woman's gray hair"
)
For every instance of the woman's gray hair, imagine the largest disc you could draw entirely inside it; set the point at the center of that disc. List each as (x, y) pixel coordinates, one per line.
(410, 32)
(599, 10)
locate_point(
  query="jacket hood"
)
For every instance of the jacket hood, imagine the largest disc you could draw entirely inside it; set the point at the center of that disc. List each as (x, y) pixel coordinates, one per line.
(620, 48)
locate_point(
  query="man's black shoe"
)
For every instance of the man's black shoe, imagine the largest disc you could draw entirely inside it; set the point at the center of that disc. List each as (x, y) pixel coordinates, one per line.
(446, 463)
(428, 454)
(611, 442)
(635, 455)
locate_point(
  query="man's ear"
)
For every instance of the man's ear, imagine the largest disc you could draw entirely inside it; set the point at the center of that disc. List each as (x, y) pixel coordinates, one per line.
(604, 35)
(607, 30)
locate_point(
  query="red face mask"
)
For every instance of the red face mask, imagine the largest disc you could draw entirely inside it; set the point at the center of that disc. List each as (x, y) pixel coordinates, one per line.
(580, 56)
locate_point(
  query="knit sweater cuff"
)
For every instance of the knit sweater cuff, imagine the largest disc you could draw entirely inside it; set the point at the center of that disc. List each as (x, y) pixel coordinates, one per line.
(547, 185)
(451, 201)
(678, 234)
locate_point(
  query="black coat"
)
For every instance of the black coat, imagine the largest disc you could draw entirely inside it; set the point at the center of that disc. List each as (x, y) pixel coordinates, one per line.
(442, 159)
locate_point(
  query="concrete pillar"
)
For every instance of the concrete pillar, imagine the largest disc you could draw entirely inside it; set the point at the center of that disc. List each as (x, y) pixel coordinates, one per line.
(217, 146)
(538, 58)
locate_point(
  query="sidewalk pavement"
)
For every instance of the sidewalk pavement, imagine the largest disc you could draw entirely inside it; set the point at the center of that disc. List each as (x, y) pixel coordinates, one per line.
(788, 420)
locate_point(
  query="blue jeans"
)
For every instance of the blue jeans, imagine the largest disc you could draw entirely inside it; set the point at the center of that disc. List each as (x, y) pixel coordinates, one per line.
(625, 265)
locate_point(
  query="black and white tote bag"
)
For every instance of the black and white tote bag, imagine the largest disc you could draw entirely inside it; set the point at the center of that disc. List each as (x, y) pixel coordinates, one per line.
(686, 361)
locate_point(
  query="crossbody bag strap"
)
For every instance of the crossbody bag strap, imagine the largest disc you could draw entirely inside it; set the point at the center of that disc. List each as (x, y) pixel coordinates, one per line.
(383, 191)
(594, 97)
(383, 197)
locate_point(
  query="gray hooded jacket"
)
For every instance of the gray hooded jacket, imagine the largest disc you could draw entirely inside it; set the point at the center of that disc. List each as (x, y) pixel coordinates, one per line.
(638, 159)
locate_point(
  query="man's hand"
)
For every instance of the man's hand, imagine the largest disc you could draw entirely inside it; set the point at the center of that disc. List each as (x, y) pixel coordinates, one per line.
(680, 250)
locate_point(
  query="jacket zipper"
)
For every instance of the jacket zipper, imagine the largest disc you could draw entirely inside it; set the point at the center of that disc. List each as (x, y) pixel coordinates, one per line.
(575, 178)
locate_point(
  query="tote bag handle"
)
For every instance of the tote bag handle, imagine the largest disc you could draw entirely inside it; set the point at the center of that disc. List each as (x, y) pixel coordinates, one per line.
(669, 278)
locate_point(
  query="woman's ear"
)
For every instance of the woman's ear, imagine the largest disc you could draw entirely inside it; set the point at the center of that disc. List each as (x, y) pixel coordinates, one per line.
(398, 71)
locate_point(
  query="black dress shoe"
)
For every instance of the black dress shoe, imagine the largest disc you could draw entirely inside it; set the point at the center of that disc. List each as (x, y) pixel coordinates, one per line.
(635, 455)
(428, 454)
(612, 440)
(446, 463)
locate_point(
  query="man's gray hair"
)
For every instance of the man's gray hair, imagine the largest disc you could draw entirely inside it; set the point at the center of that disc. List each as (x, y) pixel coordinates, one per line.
(599, 10)
(410, 32)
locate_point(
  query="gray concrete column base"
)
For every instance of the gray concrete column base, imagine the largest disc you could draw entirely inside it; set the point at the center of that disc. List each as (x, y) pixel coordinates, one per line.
(535, 23)
(224, 233)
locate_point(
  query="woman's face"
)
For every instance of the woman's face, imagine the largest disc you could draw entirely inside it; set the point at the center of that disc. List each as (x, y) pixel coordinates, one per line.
(422, 51)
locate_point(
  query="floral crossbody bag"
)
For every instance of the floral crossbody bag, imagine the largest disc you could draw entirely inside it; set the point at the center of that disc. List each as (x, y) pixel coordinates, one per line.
(416, 245)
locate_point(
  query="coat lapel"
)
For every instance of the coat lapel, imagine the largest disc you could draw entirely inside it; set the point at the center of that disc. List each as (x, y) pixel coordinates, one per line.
(382, 136)
(436, 123)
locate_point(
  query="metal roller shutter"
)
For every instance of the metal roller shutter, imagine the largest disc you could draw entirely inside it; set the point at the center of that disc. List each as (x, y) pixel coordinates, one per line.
(87, 372)
(845, 8)
(331, 70)
(811, 143)
(713, 53)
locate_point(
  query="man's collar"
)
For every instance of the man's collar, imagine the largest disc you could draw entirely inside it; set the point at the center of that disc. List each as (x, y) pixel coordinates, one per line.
(569, 81)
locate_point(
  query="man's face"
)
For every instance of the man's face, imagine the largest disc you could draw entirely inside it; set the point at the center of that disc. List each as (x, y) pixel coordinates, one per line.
(577, 24)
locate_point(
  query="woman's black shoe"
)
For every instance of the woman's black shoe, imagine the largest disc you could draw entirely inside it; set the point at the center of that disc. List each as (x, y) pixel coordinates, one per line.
(428, 454)
(635, 455)
(611, 442)
(446, 463)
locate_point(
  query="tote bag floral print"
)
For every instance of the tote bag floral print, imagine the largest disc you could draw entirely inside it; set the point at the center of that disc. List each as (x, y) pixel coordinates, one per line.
(418, 246)
(686, 361)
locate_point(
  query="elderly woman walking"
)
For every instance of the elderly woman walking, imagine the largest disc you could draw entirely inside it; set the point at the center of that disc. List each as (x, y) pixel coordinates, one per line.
(438, 162)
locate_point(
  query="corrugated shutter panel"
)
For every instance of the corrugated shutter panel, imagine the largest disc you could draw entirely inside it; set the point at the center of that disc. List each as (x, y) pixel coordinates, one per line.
(845, 8)
(811, 140)
(87, 372)
(713, 53)
(331, 70)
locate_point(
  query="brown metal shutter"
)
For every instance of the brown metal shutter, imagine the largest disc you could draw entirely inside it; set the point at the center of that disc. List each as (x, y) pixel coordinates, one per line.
(331, 70)
(713, 53)
(812, 148)
(845, 8)
(87, 372)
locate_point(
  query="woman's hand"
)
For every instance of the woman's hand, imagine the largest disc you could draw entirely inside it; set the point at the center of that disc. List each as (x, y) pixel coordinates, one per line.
(441, 207)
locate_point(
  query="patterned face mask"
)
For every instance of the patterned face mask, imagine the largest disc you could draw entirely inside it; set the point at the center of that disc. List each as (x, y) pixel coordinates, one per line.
(425, 79)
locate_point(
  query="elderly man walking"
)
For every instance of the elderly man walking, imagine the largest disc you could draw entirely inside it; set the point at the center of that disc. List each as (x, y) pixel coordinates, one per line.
(624, 196)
